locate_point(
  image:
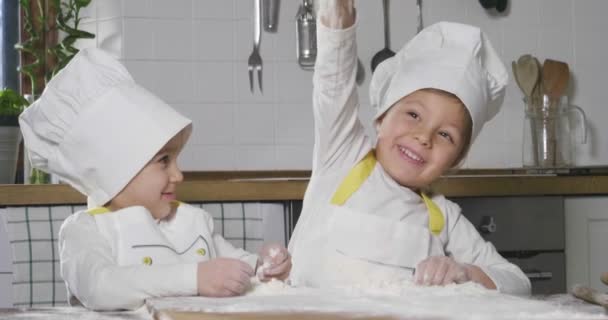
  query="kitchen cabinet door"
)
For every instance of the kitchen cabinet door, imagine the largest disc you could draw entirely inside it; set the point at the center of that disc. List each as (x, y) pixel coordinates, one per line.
(586, 241)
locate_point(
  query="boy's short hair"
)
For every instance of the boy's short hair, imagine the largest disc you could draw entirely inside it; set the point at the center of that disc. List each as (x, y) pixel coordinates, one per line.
(96, 128)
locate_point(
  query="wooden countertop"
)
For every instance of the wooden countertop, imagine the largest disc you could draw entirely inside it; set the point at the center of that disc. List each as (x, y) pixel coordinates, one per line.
(277, 189)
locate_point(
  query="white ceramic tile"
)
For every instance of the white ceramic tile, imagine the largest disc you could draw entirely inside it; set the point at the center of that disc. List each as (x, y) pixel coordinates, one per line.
(285, 47)
(136, 8)
(256, 158)
(404, 22)
(107, 9)
(294, 157)
(110, 37)
(138, 39)
(216, 9)
(254, 124)
(213, 40)
(89, 13)
(244, 9)
(439, 10)
(6, 290)
(5, 249)
(214, 81)
(294, 85)
(560, 29)
(214, 158)
(174, 9)
(486, 155)
(144, 73)
(213, 123)
(172, 39)
(294, 124)
(175, 81)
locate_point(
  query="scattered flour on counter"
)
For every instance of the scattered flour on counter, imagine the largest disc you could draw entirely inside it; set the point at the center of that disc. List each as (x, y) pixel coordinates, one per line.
(401, 300)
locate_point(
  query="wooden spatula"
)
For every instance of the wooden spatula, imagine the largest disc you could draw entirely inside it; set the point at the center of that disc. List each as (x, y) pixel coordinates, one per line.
(556, 75)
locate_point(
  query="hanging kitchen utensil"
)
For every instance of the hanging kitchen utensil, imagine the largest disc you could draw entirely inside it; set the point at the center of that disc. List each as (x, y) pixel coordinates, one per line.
(254, 62)
(499, 5)
(306, 35)
(270, 16)
(420, 22)
(386, 52)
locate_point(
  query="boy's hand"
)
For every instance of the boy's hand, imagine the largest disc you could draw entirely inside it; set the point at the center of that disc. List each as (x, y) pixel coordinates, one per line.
(337, 14)
(223, 277)
(440, 271)
(275, 262)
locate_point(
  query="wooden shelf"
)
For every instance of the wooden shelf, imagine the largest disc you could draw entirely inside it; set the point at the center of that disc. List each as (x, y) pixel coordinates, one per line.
(284, 189)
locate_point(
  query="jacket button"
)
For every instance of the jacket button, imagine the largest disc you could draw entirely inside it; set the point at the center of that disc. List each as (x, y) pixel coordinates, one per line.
(147, 261)
(201, 251)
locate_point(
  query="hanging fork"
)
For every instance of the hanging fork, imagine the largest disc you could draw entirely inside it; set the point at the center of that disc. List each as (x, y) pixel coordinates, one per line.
(255, 61)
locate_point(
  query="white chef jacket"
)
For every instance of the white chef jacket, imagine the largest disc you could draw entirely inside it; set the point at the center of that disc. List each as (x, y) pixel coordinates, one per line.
(381, 232)
(115, 260)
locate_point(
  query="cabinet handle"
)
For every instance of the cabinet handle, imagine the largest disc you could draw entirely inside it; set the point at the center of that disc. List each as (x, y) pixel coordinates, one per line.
(539, 275)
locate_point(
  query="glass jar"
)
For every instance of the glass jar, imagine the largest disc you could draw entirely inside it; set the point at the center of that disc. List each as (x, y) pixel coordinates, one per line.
(550, 127)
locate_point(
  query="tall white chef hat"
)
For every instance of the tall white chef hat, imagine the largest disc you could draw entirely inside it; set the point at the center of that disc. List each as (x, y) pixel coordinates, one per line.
(453, 57)
(95, 128)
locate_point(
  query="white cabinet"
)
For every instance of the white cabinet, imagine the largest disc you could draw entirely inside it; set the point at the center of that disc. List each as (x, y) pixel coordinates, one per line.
(586, 240)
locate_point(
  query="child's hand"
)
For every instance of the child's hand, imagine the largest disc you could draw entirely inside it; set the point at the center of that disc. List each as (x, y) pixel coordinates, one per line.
(275, 262)
(441, 270)
(223, 277)
(337, 14)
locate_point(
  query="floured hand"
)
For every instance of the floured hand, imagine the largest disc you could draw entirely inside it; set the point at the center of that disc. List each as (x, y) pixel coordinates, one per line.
(275, 262)
(336, 14)
(440, 271)
(223, 277)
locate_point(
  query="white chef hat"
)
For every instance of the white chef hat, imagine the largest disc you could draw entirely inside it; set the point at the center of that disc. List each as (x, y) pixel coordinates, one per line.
(452, 57)
(95, 128)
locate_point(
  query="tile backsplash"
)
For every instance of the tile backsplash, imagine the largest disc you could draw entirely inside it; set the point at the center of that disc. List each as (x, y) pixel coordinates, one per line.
(193, 54)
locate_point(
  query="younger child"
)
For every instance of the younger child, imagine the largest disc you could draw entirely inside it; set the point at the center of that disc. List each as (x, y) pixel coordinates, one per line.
(118, 144)
(368, 217)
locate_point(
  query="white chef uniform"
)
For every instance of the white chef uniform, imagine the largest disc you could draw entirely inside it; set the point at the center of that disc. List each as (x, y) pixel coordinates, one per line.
(381, 231)
(115, 260)
(96, 128)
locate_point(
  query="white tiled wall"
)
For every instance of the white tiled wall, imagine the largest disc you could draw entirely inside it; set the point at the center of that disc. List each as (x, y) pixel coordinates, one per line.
(193, 54)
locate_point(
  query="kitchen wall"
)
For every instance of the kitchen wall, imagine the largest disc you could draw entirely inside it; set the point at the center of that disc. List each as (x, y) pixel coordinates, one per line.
(193, 54)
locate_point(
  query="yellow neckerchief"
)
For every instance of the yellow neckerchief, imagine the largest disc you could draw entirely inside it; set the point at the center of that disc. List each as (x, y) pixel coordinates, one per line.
(102, 210)
(361, 171)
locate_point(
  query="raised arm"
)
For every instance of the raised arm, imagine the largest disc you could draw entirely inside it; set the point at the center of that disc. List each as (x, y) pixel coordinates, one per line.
(339, 135)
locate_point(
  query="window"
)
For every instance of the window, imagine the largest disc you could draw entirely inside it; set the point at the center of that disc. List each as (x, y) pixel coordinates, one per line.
(8, 37)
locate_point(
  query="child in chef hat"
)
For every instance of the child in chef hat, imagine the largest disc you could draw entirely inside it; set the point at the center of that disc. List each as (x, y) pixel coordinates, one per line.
(117, 143)
(368, 206)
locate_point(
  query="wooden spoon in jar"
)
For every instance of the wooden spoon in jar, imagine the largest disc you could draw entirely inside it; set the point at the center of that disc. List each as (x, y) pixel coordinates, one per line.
(556, 75)
(528, 73)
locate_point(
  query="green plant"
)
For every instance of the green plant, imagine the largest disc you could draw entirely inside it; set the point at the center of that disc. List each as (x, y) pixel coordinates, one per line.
(11, 105)
(68, 19)
(41, 60)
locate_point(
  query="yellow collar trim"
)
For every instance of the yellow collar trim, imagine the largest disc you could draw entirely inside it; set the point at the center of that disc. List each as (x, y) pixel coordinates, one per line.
(98, 210)
(361, 171)
(355, 178)
(102, 210)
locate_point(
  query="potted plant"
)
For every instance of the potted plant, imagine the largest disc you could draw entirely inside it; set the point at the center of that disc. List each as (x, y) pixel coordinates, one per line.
(11, 105)
(41, 57)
